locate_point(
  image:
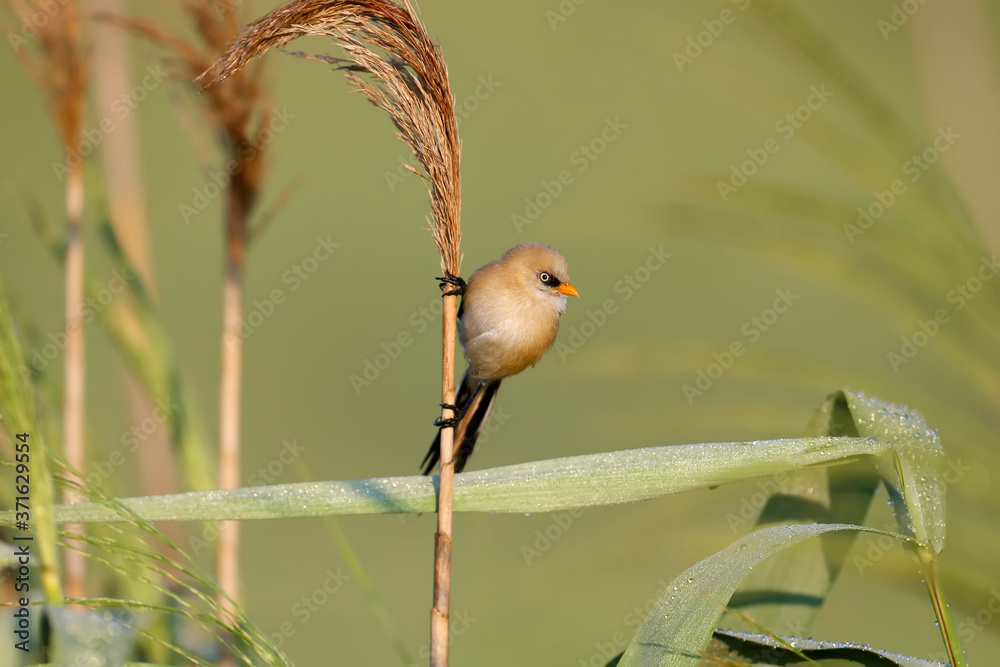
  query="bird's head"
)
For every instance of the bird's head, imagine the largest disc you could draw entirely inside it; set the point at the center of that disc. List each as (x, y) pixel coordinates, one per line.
(542, 271)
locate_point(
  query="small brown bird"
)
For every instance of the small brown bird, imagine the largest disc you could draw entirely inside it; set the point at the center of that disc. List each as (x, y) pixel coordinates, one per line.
(508, 319)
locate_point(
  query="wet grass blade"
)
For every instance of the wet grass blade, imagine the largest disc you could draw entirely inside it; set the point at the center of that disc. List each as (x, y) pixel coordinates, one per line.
(679, 627)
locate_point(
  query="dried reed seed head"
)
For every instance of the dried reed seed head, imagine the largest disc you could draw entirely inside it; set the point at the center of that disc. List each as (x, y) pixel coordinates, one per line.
(60, 64)
(238, 111)
(410, 83)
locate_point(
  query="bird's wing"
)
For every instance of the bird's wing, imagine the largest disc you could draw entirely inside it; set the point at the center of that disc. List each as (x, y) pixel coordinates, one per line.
(473, 420)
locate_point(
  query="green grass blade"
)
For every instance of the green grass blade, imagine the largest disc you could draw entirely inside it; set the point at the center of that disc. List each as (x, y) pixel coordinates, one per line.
(679, 627)
(542, 486)
(678, 630)
(17, 410)
(729, 648)
(914, 477)
(916, 484)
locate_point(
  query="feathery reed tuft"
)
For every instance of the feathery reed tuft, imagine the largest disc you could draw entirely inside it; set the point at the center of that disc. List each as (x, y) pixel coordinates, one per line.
(60, 65)
(411, 85)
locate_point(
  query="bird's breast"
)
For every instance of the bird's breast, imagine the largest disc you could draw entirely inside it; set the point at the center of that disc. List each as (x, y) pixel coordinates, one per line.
(499, 347)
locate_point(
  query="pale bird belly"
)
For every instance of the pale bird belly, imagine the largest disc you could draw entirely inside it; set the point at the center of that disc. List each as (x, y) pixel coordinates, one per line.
(504, 352)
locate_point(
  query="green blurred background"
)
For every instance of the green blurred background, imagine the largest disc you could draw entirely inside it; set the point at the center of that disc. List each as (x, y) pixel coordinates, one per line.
(536, 82)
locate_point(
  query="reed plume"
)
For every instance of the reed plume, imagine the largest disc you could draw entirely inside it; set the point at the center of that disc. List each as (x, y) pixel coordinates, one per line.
(410, 83)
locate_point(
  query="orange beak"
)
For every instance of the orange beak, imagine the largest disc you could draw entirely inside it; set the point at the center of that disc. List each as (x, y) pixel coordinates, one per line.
(568, 290)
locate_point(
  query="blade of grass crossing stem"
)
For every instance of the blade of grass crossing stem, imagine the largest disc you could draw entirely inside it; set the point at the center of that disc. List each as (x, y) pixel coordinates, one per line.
(543, 486)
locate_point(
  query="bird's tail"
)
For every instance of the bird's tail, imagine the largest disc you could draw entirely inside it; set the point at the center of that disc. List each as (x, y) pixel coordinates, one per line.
(474, 402)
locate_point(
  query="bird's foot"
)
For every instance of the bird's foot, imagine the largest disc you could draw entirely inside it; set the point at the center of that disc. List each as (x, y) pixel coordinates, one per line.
(455, 281)
(451, 422)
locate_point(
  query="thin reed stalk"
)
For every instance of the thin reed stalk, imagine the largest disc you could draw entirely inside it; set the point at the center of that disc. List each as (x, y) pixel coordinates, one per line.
(227, 555)
(74, 367)
(446, 491)
(410, 83)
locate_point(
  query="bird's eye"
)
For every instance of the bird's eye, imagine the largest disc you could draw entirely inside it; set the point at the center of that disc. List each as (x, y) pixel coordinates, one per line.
(548, 279)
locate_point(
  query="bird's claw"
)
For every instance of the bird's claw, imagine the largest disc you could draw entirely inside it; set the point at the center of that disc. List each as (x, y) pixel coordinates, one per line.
(450, 422)
(455, 281)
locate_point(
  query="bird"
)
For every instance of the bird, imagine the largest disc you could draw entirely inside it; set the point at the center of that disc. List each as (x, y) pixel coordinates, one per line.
(508, 319)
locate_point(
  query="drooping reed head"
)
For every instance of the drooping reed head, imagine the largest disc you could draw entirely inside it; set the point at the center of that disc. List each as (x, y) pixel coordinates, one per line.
(407, 77)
